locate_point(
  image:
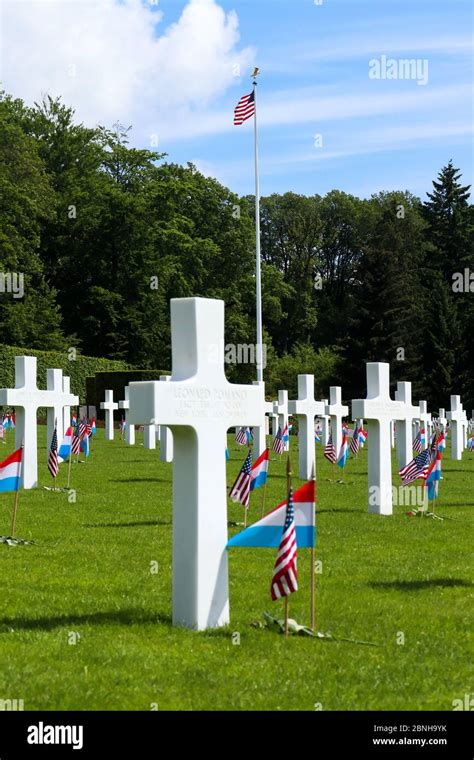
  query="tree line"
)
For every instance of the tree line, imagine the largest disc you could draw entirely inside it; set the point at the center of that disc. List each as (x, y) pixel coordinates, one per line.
(105, 234)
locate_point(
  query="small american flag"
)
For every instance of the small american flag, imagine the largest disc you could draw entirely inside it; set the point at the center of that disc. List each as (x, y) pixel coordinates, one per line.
(240, 491)
(241, 436)
(76, 440)
(417, 443)
(330, 451)
(53, 464)
(285, 573)
(244, 109)
(278, 444)
(417, 468)
(354, 447)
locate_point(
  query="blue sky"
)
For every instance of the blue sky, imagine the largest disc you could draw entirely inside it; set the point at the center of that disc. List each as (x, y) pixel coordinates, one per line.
(171, 69)
(393, 134)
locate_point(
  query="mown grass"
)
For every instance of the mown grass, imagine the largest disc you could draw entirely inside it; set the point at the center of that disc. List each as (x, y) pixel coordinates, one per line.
(383, 579)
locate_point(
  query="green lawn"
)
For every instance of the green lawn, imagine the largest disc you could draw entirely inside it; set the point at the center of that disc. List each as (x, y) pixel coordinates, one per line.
(89, 573)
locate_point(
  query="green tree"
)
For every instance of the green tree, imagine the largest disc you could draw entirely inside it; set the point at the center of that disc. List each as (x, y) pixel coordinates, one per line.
(26, 204)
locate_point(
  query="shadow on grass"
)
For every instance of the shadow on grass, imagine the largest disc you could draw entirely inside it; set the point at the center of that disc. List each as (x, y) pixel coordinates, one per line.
(456, 504)
(135, 524)
(116, 617)
(420, 585)
(138, 480)
(342, 510)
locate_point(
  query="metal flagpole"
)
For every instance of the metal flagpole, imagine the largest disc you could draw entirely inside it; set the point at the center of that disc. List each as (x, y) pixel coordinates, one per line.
(313, 560)
(258, 277)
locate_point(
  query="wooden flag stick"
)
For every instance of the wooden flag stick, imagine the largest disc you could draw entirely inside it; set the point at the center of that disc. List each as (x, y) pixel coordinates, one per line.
(69, 463)
(17, 495)
(288, 486)
(264, 489)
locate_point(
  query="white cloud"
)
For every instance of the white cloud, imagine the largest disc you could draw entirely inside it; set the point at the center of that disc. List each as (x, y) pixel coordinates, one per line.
(116, 59)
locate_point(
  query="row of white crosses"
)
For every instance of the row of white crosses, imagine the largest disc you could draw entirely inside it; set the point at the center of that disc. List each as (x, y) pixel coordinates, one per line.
(199, 405)
(150, 433)
(27, 399)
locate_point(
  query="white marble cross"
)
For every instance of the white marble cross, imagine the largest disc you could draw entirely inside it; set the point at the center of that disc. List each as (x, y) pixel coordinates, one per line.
(464, 427)
(166, 436)
(199, 405)
(405, 425)
(325, 426)
(455, 416)
(67, 409)
(442, 419)
(109, 405)
(280, 407)
(149, 436)
(425, 421)
(129, 429)
(306, 409)
(379, 410)
(55, 413)
(336, 410)
(274, 419)
(27, 398)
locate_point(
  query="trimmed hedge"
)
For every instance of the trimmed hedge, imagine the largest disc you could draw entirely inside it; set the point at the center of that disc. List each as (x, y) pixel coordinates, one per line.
(78, 369)
(116, 381)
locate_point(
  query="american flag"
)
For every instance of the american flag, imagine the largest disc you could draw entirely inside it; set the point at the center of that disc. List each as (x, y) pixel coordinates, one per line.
(241, 436)
(330, 451)
(53, 464)
(417, 443)
(278, 443)
(76, 440)
(417, 468)
(240, 491)
(285, 573)
(354, 447)
(82, 430)
(244, 109)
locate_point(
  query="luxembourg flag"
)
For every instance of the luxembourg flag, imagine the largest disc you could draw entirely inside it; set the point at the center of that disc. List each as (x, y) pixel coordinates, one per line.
(433, 477)
(441, 442)
(10, 471)
(362, 437)
(286, 434)
(85, 445)
(267, 531)
(470, 443)
(65, 448)
(343, 453)
(93, 426)
(259, 471)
